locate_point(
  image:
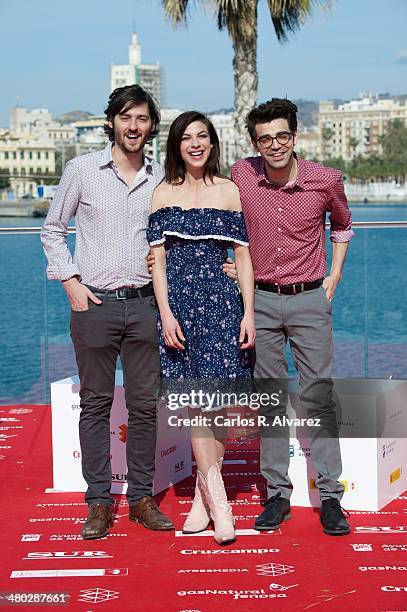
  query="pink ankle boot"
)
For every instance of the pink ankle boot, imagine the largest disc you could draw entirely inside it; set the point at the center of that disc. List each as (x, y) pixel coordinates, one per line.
(213, 492)
(199, 517)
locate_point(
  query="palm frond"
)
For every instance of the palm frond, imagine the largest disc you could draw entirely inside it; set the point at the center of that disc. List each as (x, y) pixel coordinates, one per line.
(176, 10)
(289, 15)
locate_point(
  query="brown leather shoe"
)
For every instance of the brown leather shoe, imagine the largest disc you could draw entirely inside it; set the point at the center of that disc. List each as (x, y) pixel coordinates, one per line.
(146, 511)
(98, 522)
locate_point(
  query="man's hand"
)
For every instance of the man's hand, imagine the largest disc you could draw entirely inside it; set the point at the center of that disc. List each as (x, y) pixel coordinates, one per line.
(330, 284)
(229, 267)
(79, 294)
(150, 260)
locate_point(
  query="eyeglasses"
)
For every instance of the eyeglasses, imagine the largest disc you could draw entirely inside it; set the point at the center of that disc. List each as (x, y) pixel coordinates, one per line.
(266, 141)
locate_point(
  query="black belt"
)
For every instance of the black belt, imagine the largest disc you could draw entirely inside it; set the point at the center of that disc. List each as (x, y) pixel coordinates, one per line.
(124, 293)
(289, 289)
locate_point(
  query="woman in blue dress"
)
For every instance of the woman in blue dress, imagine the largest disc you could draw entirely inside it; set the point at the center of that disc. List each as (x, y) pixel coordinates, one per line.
(203, 333)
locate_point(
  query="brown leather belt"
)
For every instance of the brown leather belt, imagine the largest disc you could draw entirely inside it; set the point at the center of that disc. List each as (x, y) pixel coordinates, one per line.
(289, 289)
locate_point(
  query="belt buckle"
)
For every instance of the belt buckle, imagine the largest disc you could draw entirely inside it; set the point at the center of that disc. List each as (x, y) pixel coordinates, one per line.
(278, 290)
(121, 294)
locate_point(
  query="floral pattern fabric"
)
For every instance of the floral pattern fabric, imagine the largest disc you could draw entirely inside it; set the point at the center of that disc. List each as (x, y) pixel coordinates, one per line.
(203, 299)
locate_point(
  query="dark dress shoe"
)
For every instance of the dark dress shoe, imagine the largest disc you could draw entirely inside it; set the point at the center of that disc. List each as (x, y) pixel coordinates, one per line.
(332, 518)
(146, 512)
(277, 510)
(98, 522)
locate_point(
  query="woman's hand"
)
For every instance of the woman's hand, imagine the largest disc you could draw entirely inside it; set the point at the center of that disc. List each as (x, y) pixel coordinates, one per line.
(172, 332)
(247, 331)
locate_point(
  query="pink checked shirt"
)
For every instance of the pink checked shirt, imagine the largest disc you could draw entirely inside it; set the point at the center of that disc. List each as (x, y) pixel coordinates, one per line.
(286, 225)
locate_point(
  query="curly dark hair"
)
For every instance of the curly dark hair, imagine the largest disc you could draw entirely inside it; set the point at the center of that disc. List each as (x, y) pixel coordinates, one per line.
(276, 108)
(128, 96)
(174, 165)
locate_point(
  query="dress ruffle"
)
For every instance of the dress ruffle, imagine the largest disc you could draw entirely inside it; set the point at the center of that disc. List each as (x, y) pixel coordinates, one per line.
(197, 224)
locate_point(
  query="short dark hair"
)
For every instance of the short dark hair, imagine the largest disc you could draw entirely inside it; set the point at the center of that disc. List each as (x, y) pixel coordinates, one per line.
(128, 96)
(174, 165)
(276, 108)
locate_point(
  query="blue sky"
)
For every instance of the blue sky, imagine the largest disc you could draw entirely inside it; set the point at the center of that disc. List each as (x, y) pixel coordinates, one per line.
(58, 55)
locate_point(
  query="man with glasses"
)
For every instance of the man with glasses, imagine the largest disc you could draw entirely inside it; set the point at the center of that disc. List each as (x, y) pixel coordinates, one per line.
(285, 200)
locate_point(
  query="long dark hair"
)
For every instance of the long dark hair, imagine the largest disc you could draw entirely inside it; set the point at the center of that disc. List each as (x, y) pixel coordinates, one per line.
(128, 96)
(174, 164)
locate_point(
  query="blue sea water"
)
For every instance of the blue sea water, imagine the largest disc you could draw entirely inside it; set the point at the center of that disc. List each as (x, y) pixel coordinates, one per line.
(370, 313)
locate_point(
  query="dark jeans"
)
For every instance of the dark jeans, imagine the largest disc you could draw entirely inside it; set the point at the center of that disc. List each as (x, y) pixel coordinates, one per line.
(126, 328)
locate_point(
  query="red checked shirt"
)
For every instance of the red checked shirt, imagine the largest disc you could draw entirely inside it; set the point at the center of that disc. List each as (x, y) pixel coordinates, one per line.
(286, 225)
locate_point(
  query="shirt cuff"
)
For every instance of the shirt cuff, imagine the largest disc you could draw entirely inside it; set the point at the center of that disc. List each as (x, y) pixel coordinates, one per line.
(61, 274)
(342, 235)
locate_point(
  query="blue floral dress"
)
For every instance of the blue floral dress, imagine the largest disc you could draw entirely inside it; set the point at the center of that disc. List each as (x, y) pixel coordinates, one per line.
(203, 299)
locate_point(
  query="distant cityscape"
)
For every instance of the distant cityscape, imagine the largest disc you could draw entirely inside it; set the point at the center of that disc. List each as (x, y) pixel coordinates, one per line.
(36, 145)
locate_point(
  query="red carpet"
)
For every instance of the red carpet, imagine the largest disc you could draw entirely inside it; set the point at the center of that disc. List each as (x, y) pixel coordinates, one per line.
(133, 569)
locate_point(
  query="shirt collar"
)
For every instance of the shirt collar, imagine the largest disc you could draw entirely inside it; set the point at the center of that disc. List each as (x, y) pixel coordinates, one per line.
(298, 181)
(107, 160)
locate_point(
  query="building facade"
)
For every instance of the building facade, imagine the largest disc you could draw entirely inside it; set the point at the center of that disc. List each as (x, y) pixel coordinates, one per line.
(355, 127)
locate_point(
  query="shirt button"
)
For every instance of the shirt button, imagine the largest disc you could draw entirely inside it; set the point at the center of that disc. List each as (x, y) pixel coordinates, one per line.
(280, 209)
(279, 249)
(278, 267)
(279, 229)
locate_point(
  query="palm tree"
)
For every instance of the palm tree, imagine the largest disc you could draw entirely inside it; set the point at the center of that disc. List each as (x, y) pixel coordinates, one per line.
(240, 19)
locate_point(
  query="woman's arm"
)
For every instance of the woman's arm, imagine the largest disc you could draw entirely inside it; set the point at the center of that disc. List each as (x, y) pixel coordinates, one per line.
(246, 282)
(171, 330)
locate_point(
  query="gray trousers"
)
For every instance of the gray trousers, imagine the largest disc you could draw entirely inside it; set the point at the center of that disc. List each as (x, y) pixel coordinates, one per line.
(100, 334)
(305, 320)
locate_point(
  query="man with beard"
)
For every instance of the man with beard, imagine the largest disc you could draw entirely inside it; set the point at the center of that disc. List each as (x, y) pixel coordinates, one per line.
(113, 309)
(285, 200)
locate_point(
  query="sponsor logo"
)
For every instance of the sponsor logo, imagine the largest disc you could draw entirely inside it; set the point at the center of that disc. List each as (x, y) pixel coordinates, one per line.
(61, 504)
(232, 551)
(97, 595)
(68, 573)
(397, 529)
(30, 537)
(5, 436)
(7, 427)
(179, 466)
(213, 571)
(76, 537)
(75, 407)
(20, 410)
(394, 476)
(123, 432)
(74, 554)
(348, 485)
(273, 569)
(279, 587)
(9, 420)
(362, 547)
(168, 451)
(57, 519)
(118, 477)
(394, 547)
(394, 589)
(235, 593)
(383, 568)
(4, 447)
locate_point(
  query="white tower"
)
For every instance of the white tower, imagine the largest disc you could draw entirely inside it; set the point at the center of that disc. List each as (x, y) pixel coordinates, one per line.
(134, 51)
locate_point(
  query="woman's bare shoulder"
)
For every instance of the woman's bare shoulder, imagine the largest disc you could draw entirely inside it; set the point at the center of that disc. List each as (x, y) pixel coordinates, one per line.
(229, 193)
(160, 196)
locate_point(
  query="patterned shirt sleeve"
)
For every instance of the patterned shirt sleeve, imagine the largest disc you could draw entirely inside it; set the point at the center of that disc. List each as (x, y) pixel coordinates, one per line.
(340, 217)
(55, 229)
